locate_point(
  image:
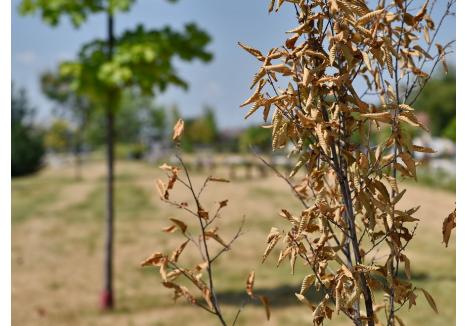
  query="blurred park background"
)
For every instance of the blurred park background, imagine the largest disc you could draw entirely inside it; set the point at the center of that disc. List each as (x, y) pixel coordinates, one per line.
(59, 171)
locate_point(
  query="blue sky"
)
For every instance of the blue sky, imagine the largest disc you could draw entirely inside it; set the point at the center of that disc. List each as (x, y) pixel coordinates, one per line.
(222, 84)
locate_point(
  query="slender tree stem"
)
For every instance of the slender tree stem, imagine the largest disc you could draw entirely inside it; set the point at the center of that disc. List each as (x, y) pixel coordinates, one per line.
(216, 307)
(108, 295)
(349, 214)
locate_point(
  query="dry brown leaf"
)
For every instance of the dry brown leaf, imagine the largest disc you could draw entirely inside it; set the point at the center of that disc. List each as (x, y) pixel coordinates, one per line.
(218, 179)
(223, 203)
(250, 284)
(169, 229)
(203, 214)
(448, 226)
(154, 259)
(181, 225)
(407, 266)
(264, 300)
(441, 50)
(214, 235)
(176, 254)
(368, 17)
(409, 162)
(307, 283)
(430, 300)
(178, 130)
(256, 53)
(161, 188)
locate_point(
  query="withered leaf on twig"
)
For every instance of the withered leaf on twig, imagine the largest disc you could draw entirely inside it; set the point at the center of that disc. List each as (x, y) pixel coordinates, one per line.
(178, 130)
(448, 226)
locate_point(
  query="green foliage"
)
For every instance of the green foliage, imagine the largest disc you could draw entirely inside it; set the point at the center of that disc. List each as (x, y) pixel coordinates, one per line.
(59, 89)
(56, 87)
(135, 151)
(129, 123)
(438, 100)
(436, 178)
(139, 60)
(200, 131)
(77, 10)
(27, 149)
(59, 136)
(139, 120)
(256, 137)
(69, 105)
(142, 59)
(157, 119)
(203, 130)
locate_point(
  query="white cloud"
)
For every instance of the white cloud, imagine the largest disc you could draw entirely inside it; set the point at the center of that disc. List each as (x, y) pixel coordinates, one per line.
(27, 57)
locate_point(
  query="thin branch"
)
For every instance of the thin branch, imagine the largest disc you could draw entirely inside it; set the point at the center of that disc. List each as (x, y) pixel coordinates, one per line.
(280, 175)
(239, 311)
(174, 265)
(205, 246)
(228, 246)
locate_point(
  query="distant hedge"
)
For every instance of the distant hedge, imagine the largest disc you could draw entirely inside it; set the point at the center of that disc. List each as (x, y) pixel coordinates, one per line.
(27, 149)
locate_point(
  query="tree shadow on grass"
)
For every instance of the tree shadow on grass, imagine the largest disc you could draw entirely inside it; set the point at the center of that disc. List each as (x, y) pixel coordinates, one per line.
(284, 295)
(279, 296)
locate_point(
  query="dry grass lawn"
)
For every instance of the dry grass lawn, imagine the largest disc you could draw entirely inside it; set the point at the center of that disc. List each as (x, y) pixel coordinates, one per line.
(57, 242)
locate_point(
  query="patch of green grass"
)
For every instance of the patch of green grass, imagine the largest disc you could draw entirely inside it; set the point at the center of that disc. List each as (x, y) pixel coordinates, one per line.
(131, 201)
(120, 177)
(32, 195)
(435, 179)
(438, 180)
(90, 208)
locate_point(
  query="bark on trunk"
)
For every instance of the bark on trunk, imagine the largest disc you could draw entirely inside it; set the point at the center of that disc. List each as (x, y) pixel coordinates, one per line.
(107, 299)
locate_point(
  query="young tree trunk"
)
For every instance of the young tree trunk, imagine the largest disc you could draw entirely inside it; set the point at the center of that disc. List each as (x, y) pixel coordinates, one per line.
(77, 153)
(77, 165)
(342, 174)
(107, 300)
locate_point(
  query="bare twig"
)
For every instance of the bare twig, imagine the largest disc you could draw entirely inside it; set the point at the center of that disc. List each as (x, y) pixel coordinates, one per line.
(216, 307)
(234, 238)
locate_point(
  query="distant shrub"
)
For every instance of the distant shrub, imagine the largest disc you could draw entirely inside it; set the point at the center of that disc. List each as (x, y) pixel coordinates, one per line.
(130, 151)
(27, 147)
(259, 138)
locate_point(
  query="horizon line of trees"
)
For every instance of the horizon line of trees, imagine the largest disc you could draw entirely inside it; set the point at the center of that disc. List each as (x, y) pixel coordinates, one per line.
(141, 122)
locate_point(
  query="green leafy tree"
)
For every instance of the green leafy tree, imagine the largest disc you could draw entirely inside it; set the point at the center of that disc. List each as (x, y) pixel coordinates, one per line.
(129, 122)
(200, 130)
(140, 59)
(203, 130)
(71, 106)
(58, 137)
(27, 148)
(209, 118)
(139, 120)
(157, 118)
(438, 100)
(256, 137)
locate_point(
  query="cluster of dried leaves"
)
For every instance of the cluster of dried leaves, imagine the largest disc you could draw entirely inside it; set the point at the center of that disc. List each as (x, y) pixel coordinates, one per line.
(198, 277)
(349, 186)
(307, 90)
